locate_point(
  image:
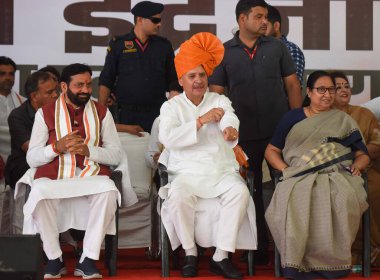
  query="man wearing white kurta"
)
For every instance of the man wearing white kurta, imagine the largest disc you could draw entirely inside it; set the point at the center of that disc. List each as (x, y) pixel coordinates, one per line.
(73, 142)
(9, 99)
(200, 129)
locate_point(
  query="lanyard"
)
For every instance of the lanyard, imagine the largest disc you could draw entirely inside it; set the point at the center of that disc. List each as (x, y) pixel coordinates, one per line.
(251, 55)
(142, 47)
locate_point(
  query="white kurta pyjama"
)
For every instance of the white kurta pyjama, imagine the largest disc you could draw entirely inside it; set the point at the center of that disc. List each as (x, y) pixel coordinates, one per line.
(52, 204)
(204, 176)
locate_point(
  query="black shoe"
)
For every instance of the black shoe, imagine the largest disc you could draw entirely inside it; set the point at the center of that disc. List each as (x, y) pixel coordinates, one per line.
(190, 268)
(87, 269)
(54, 269)
(225, 268)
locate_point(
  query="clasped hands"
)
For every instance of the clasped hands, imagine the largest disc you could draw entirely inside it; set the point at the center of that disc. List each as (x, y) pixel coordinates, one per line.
(72, 143)
(215, 115)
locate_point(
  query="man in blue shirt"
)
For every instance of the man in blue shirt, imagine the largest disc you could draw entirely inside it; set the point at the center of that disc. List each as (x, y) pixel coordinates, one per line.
(274, 29)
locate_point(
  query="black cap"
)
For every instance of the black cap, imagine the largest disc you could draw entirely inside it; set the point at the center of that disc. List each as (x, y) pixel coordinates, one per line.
(147, 9)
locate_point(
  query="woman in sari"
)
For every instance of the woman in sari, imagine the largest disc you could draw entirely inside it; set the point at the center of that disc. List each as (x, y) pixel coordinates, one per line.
(370, 129)
(315, 211)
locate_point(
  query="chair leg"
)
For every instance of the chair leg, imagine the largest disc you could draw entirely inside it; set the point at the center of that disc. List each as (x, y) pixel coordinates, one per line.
(366, 262)
(111, 247)
(277, 263)
(154, 250)
(366, 237)
(251, 263)
(175, 258)
(111, 254)
(164, 249)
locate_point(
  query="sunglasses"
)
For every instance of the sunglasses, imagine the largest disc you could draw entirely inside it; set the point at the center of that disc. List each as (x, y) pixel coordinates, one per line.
(154, 20)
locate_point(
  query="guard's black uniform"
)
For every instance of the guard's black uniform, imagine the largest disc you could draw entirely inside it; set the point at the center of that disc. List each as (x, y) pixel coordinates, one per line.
(139, 76)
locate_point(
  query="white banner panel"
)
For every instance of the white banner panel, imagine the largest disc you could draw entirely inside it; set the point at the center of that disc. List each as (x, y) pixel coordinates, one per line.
(334, 34)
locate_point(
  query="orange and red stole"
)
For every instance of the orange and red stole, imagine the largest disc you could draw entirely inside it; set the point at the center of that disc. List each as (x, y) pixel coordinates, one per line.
(67, 161)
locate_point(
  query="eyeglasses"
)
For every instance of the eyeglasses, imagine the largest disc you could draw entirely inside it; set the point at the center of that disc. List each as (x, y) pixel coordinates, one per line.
(339, 88)
(155, 20)
(322, 90)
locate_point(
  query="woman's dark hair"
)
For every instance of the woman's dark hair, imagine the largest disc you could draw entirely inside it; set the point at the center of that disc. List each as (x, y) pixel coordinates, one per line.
(72, 70)
(338, 74)
(313, 77)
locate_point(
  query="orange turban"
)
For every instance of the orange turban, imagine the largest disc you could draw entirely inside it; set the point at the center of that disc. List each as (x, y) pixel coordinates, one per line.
(201, 49)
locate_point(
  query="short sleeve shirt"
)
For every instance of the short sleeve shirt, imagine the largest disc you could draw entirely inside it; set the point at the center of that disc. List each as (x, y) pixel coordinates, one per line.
(285, 125)
(255, 86)
(139, 75)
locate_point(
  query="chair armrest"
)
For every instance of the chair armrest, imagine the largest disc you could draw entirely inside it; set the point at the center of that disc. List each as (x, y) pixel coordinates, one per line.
(116, 177)
(28, 189)
(365, 178)
(163, 172)
(277, 174)
(249, 178)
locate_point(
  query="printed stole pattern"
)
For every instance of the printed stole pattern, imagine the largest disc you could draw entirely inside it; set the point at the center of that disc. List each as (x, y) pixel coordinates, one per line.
(67, 161)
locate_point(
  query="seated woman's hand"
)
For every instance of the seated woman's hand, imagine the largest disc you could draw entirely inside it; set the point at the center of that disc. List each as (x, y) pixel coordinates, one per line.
(355, 170)
(230, 134)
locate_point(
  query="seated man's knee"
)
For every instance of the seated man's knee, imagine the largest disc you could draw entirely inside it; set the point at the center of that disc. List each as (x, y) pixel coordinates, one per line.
(109, 198)
(242, 193)
(180, 196)
(112, 199)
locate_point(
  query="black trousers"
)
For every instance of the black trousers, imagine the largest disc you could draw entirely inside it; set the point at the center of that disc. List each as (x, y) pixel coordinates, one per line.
(255, 150)
(14, 171)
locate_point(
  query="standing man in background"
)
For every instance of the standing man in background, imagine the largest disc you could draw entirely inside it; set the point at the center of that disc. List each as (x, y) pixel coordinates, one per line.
(262, 84)
(139, 67)
(9, 99)
(274, 29)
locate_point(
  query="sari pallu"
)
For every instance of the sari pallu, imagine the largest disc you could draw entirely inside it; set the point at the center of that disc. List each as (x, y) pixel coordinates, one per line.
(314, 218)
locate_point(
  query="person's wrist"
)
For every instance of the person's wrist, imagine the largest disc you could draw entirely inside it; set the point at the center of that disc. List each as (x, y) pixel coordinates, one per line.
(199, 121)
(55, 148)
(355, 166)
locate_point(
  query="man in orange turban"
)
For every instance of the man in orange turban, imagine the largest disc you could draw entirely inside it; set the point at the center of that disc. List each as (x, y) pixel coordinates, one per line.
(202, 49)
(199, 130)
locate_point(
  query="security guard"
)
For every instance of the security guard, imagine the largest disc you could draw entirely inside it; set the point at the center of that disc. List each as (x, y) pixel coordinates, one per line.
(139, 67)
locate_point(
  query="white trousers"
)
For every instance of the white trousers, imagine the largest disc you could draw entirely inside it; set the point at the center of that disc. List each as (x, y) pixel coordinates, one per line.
(234, 203)
(102, 207)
